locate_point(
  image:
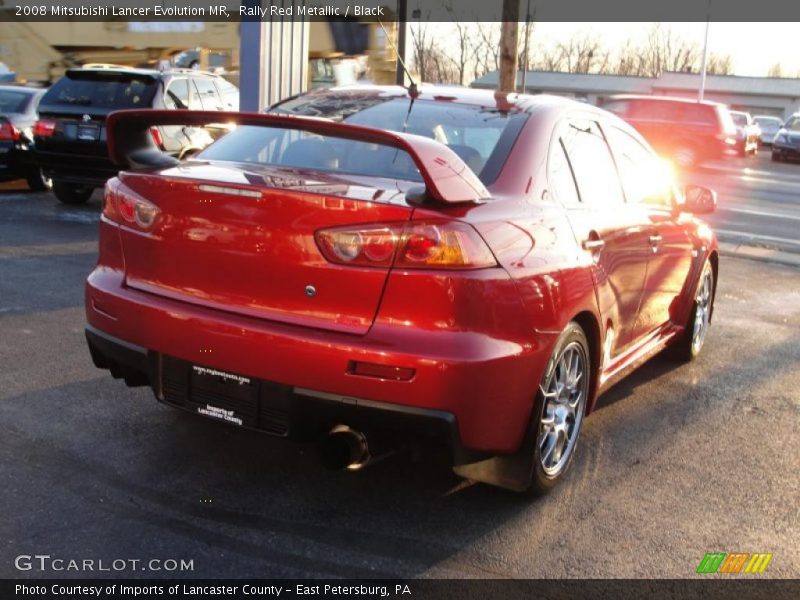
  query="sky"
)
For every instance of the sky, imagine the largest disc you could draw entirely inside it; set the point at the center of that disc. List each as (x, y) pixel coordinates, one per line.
(753, 47)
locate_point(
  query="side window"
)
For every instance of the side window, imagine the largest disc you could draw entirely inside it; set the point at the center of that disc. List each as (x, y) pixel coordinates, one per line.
(177, 94)
(560, 176)
(209, 96)
(645, 178)
(229, 94)
(592, 164)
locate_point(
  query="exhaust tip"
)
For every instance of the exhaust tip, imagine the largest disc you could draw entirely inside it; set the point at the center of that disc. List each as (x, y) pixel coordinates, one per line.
(344, 448)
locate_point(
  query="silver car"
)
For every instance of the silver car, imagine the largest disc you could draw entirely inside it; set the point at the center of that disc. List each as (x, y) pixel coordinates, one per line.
(769, 128)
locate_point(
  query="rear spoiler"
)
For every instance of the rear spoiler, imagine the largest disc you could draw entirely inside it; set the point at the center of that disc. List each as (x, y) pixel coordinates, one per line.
(447, 179)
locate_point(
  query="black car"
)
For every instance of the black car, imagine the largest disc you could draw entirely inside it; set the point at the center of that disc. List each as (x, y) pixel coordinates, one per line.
(786, 145)
(18, 107)
(70, 135)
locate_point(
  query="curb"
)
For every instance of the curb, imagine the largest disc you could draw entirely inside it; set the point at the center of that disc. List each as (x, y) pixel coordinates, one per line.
(771, 255)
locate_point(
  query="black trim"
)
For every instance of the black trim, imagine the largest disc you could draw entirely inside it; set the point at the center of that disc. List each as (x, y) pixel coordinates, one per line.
(273, 408)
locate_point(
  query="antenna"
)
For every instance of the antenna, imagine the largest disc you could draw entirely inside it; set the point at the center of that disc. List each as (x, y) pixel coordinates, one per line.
(413, 91)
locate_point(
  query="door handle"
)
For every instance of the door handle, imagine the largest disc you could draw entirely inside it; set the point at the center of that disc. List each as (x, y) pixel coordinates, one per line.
(592, 245)
(655, 241)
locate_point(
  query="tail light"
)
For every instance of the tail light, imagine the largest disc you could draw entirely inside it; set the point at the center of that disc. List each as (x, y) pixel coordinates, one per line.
(124, 206)
(8, 131)
(44, 127)
(421, 245)
(155, 133)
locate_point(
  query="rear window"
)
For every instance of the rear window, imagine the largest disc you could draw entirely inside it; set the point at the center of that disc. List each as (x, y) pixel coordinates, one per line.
(303, 150)
(481, 136)
(739, 119)
(14, 101)
(102, 90)
(669, 111)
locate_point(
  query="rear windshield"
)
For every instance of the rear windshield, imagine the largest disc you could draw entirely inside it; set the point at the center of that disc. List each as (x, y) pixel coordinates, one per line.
(739, 118)
(672, 111)
(481, 136)
(102, 90)
(14, 101)
(793, 124)
(303, 150)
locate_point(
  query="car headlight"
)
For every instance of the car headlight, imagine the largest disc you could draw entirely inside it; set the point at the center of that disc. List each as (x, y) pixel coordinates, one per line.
(782, 137)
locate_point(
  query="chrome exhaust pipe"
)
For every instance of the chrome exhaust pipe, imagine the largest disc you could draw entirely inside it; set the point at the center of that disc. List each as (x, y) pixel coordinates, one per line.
(344, 448)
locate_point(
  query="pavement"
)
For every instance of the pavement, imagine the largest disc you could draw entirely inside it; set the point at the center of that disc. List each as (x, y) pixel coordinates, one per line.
(677, 461)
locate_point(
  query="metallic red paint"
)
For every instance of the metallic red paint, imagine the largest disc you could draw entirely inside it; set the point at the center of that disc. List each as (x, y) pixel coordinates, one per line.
(219, 280)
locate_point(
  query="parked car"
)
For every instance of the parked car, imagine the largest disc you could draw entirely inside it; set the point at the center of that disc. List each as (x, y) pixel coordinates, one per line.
(769, 127)
(190, 59)
(70, 136)
(374, 266)
(786, 145)
(747, 132)
(18, 106)
(686, 131)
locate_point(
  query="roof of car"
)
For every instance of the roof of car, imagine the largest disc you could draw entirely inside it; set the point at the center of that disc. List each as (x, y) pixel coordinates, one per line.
(24, 88)
(154, 73)
(459, 95)
(663, 98)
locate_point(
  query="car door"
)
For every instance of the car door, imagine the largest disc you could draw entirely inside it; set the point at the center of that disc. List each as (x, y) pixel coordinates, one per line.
(611, 238)
(650, 191)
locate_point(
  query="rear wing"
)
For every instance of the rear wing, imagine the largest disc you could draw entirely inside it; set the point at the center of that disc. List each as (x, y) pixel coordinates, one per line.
(447, 179)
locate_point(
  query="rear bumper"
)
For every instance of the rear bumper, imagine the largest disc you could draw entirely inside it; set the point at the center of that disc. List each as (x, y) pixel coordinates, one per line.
(88, 170)
(788, 152)
(15, 162)
(469, 389)
(280, 410)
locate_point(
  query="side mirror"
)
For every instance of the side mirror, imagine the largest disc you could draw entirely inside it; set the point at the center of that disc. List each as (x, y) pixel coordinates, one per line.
(699, 200)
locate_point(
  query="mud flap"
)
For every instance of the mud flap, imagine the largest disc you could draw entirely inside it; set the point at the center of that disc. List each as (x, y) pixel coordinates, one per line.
(510, 471)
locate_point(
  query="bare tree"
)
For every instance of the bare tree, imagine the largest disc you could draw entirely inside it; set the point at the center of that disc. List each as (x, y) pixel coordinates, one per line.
(487, 48)
(775, 70)
(583, 53)
(431, 61)
(719, 64)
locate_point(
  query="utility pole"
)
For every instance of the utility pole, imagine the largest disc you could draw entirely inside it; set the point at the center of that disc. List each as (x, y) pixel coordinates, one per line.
(508, 46)
(527, 39)
(402, 28)
(703, 66)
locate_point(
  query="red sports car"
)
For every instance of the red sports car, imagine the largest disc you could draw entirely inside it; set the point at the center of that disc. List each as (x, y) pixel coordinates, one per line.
(378, 265)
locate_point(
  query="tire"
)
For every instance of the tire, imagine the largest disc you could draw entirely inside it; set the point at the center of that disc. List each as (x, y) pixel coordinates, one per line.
(688, 347)
(553, 419)
(71, 193)
(685, 157)
(38, 182)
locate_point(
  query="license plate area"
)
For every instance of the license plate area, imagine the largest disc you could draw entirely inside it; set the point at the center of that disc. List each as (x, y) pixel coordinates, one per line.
(88, 133)
(225, 396)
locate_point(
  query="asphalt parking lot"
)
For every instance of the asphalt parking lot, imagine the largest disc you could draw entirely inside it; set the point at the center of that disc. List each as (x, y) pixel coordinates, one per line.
(677, 462)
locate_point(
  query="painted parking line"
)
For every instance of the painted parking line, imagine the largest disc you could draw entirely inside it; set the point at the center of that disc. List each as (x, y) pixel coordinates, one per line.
(761, 213)
(755, 237)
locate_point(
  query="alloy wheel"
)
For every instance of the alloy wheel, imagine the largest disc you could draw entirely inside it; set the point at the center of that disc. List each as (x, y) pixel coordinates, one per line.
(702, 312)
(565, 393)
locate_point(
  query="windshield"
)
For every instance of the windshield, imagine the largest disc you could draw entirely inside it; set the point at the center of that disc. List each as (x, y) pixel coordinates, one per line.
(482, 137)
(297, 149)
(102, 90)
(14, 101)
(793, 124)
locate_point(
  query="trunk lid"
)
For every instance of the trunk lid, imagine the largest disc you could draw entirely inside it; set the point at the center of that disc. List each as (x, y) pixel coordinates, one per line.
(240, 238)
